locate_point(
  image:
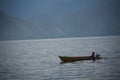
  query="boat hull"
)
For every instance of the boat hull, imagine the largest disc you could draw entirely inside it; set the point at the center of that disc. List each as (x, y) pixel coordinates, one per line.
(77, 58)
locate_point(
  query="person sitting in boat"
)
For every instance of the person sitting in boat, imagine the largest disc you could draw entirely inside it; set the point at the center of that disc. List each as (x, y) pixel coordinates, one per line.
(93, 54)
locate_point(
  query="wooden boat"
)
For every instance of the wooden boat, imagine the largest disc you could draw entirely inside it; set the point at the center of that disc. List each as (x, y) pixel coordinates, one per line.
(77, 58)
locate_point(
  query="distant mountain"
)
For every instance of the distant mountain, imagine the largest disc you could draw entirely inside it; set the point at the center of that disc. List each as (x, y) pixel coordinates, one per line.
(96, 21)
(103, 21)
(12, 28)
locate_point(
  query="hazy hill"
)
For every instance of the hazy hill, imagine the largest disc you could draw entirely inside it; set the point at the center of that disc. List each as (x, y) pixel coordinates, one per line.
(96, 21)
(12, 28)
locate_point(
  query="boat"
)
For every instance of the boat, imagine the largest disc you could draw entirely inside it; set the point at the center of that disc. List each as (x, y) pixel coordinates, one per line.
(77, 58)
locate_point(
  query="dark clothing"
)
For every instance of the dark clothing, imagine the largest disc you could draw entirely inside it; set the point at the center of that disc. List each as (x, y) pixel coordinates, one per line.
(93, 56)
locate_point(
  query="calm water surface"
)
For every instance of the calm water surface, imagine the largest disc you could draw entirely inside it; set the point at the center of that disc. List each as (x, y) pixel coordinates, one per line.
(38, 59)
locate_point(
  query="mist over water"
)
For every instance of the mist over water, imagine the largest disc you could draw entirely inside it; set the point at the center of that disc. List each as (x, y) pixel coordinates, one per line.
(38, 59)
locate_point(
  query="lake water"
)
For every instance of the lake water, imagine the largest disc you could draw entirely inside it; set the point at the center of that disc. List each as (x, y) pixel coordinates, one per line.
(38, 59)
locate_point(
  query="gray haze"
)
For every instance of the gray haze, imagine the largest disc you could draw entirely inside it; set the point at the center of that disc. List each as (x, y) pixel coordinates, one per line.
(38, 19)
